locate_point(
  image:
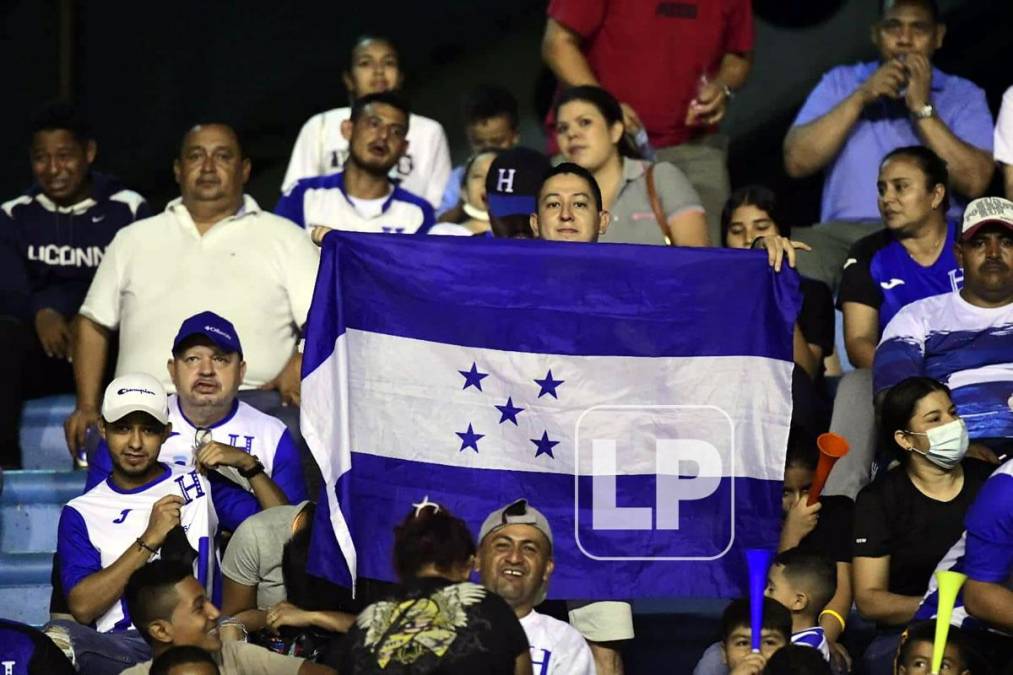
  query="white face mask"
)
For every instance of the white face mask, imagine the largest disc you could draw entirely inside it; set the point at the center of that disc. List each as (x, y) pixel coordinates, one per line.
(947, 443)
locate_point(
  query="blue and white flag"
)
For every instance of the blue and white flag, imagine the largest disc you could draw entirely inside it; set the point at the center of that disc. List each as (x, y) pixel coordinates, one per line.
(638, 396)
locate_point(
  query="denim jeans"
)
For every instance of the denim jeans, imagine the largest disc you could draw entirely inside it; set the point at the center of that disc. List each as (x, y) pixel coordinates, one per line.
(104, 653)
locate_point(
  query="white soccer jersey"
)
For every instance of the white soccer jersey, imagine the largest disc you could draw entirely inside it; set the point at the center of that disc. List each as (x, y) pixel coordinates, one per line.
(263, 436)
(556, 647)
(323, 201)
(320, 149)
(97, 527)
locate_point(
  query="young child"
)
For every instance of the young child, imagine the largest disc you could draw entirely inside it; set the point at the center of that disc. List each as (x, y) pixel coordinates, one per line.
(824, 528)
(914, 655)
(796, 660)
(803, 582)
(734, 654)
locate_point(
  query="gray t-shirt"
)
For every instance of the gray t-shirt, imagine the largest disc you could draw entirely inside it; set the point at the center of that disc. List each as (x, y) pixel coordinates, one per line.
(633, 220)
(253, 556)
(240, 658)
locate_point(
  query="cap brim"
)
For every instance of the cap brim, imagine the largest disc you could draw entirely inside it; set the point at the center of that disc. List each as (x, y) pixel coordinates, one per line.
(118, 413)
(219, 342)
(967, 234)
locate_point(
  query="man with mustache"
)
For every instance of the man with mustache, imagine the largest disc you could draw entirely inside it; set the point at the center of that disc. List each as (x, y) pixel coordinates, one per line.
(212, 247)
(515, 561)
(963, 339)
(860, 112)
(361, 197)
(211, 427)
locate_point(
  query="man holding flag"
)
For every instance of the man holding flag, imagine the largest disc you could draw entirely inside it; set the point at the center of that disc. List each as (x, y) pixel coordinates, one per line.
(585, 375)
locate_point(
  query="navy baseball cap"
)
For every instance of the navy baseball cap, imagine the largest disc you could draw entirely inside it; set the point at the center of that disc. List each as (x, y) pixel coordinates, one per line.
(511, 186)
(215, 328)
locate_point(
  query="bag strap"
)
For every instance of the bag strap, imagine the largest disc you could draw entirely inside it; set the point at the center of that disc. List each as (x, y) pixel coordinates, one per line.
(659, 214)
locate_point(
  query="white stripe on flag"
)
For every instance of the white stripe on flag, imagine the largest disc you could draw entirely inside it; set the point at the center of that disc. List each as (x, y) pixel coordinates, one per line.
(409, 401)
(325, 393)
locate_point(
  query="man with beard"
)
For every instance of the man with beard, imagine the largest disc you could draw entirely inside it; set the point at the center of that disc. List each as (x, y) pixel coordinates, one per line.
(209, 423)
(963, 339)
(515, 561)
(144, 509)
(361, 197)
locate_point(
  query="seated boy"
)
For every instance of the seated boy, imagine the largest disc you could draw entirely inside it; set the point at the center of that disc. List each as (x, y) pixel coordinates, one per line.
(803, 582)
(734, 654)
(914, 655)
(825, 528)
(797, 660)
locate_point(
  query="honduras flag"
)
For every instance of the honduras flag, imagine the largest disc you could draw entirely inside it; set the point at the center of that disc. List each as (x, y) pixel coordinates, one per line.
(638, 396)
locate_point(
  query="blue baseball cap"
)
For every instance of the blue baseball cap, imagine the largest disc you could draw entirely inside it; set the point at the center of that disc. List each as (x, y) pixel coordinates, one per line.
(513, 181)
(215, 328)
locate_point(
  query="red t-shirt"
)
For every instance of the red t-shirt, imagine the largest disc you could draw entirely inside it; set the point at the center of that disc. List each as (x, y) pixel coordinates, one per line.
(651, 53)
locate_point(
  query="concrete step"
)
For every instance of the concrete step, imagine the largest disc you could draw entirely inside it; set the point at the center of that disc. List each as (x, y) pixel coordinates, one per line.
(25, 569)
(42, 441)
(30, 504)
(28, 604)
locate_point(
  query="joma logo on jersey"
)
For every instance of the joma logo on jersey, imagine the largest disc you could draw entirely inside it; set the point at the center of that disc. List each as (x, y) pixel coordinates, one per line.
(194, 486)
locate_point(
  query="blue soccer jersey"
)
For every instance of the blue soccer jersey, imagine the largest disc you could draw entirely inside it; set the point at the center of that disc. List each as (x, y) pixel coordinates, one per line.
(880, 273)
(985, 552)
(968, 348)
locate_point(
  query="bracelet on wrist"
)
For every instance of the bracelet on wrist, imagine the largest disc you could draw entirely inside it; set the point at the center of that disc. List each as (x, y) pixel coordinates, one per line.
(836, 615)
(145, 547)
(256, 469)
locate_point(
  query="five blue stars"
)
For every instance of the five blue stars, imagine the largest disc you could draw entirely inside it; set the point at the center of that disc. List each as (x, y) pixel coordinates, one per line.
(473, 377)
(469, 439)
(548, 385)
(509, 411)
(544, 445)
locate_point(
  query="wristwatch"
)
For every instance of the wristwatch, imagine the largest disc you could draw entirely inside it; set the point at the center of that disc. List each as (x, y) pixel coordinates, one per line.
(257, 468)
(925, 112)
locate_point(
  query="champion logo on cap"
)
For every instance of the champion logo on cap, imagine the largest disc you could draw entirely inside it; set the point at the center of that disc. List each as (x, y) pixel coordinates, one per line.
(127, 390)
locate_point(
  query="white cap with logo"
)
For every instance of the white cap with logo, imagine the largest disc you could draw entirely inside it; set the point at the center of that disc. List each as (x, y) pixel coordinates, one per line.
(986, 210)
(137, 392)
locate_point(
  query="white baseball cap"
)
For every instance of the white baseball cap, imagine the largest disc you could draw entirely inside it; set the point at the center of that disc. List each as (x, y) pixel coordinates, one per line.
(984, 211)
(137, 392)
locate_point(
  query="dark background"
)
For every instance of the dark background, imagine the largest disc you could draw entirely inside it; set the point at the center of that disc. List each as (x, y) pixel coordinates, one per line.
(143, 72)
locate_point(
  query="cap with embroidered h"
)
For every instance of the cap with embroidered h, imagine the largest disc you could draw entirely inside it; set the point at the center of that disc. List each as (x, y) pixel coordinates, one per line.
(137, 392)
(216, 328)
(511, 186)
(986, 211)
(516, 513)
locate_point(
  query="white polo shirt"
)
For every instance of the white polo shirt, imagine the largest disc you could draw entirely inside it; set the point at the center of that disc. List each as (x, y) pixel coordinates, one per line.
(320, 149)
(254, 268)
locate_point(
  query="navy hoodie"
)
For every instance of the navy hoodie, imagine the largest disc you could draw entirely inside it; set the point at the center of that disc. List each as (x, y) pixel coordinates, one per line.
(49, 254)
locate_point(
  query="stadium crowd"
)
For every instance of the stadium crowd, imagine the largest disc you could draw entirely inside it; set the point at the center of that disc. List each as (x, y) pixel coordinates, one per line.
(179, 333)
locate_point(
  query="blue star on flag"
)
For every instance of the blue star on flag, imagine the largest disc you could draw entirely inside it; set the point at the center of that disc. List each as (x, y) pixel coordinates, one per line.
(544, 445)
(469, 439)
(473, 378)
(548, 385)
(509, 411)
